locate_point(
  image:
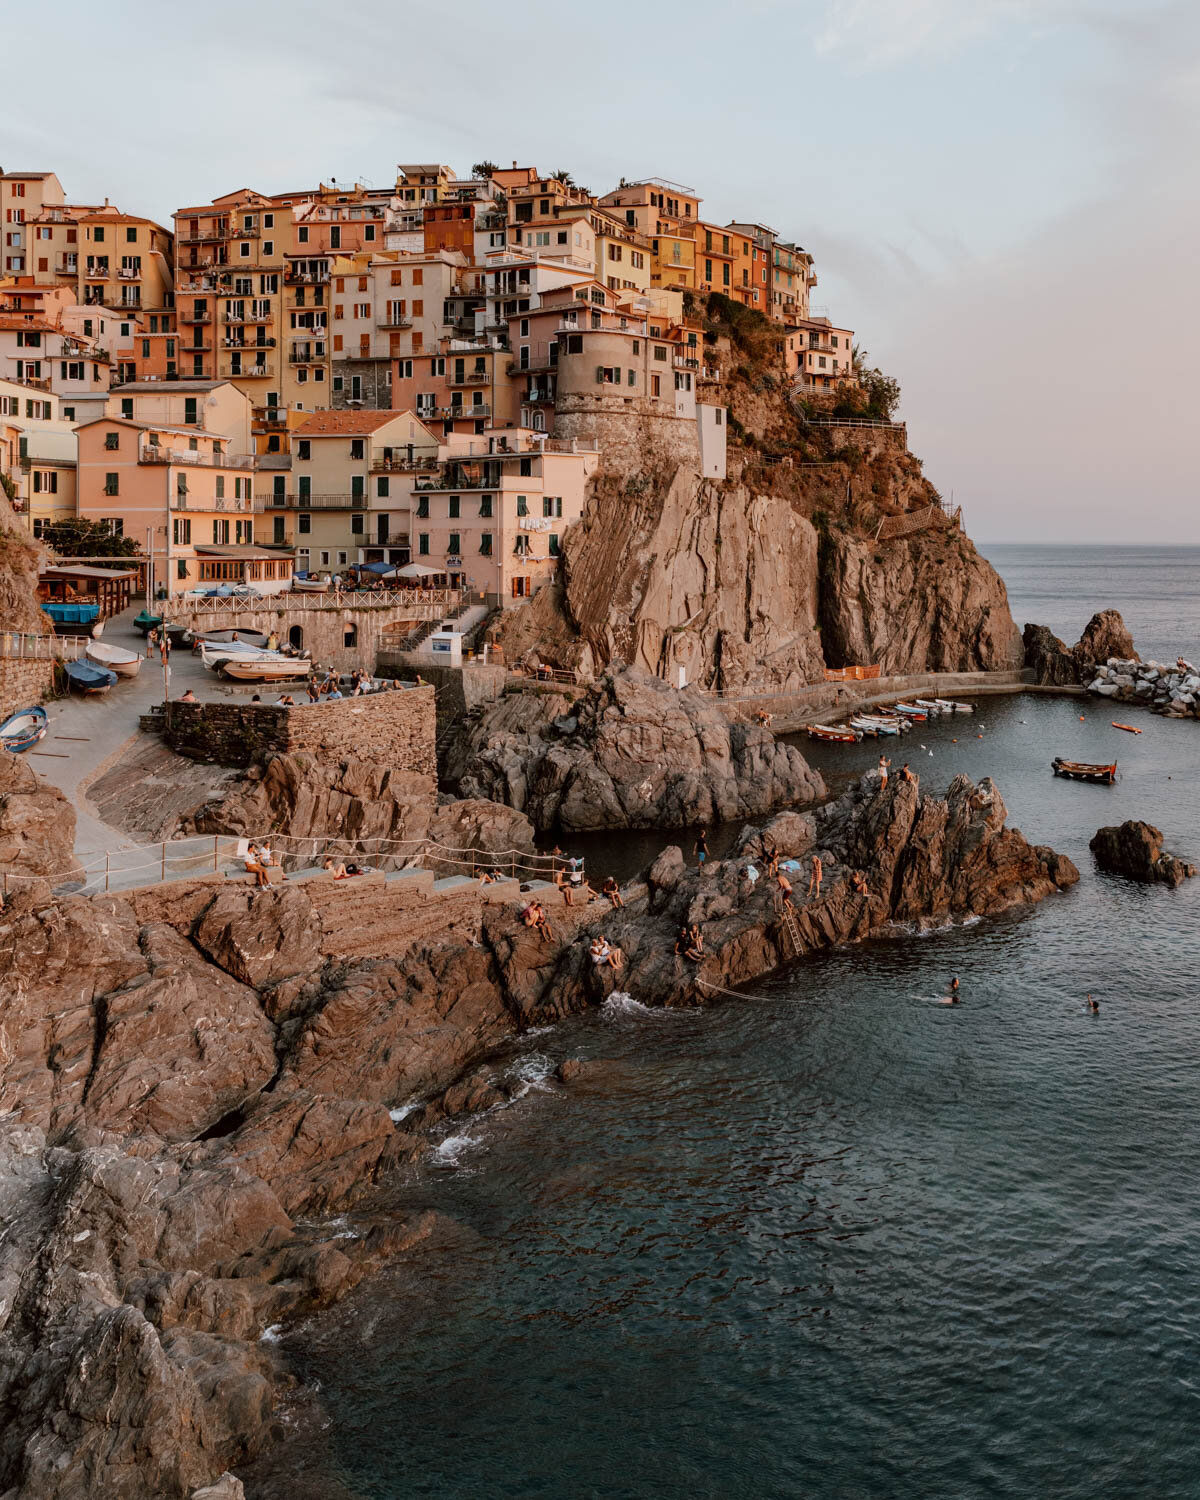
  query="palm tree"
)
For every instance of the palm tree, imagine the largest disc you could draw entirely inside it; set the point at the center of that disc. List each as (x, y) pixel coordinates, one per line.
(484, 169)
(565, 178)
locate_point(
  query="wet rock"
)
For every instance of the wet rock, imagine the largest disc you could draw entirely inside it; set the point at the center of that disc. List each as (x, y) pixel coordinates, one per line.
(569, 1068)
(1134, 849)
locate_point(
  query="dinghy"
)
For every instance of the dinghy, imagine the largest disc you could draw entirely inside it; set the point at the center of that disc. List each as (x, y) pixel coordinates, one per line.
(89, 678)
(911, 711)
(23, 730)
(1079, 770)
(1128, 728)
(265, 669)
(876, 726)
(115, 658)
(930, 705)
(837, 734)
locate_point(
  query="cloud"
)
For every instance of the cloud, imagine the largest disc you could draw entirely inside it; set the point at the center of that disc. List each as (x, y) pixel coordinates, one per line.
(873, 34)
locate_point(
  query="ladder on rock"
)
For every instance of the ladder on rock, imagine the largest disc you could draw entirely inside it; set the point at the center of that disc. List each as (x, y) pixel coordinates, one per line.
(789, 925)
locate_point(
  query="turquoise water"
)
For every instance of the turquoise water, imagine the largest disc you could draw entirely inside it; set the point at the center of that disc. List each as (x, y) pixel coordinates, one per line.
(831, 1239)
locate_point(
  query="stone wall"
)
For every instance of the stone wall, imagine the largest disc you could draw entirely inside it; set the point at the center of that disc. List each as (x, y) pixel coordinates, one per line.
(23, 684)
(631, 434)
(376, 378)
(396, 727)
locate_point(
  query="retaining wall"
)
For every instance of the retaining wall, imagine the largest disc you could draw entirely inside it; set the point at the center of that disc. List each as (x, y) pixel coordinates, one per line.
(396, 727)
(23, 684)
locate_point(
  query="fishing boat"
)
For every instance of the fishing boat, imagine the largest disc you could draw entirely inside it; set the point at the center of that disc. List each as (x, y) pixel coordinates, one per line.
(837, 734)
(146, 622)
(931, 706)
(861, 726)
(305, 584)
(1128, 728)
(1078, 770)
(252, 638)
(116, 658)
(960, 708)
(75, 619)
(912, 711)
(877, 726)
(262, 669)
(23, 730)
(87, 677)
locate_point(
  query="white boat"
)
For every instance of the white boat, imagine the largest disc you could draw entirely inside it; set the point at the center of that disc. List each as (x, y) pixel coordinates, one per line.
(310, 585)
(215, 656)
(930, 705)
(963, 708)
(273, 669)
(876, 726)
(116, 658)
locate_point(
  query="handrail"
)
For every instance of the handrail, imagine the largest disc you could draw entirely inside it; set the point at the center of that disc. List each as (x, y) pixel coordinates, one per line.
(15, 646)
(179, 609)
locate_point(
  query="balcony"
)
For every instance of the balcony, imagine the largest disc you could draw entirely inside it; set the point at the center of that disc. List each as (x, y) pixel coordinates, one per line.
(306, 278)
(96, 271)
(245, 507)
(464, 412)
(306, 354)
(472, 377)
(229, 342)
(391, 322)
(129, 273)
(313, 502)
(66, 265)
(131, 300)
(271, 416)
(201, 238)
(455, 477)
(154, 453)
(195, 317)
(196, 284)
(244, 234)
(405, 465)
(249, 372)
(684, 363)
(250, 317)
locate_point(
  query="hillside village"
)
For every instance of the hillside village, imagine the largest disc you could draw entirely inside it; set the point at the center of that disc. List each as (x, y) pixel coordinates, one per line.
(304, 382)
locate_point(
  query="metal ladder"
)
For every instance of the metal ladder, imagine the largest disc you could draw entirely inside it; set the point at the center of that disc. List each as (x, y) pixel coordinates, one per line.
(793, 932)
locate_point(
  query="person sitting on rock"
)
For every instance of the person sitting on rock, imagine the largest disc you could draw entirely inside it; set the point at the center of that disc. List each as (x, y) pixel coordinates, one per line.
(773, 863)
(695, 948)
(859, 882)
(486, 877)
(287, 701)
(530, 915)
(314, 692)
(612, 890)
(599, 951)
(783, 888)
(906, 774)
(335, 867)
(188, 697)
(613, 956)
(564, 885)
(684, 940)
(336, 693)
(815, 878)
(543, 926)
(255, 867)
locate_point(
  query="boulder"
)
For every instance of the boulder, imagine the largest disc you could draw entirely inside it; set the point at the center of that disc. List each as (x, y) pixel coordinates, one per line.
(1103, 652)
(643, 755)
(1105, 635)
(1134, 849)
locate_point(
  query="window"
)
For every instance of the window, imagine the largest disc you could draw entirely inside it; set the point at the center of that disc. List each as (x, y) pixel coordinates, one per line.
(304, 523)
(356, 524)
(112, 484)
(220, 483)
(181, 530)
(632, 377)
(547, 505)
(554, 544)
(357, 447)
(112, 440)
(423, 543)
(656, 385)
(189, 411)
(485, 544)
(574, 343)
(455, 547)
(115, 525)
(454, 511)
(304, 449)
(485, 505)
(418, 308)
(181, 568)
(423, 508)
(268, 221)
(383, 487)
(527, 467)
(268, 247)
(607, 375)
(522, 505)
(45, 482)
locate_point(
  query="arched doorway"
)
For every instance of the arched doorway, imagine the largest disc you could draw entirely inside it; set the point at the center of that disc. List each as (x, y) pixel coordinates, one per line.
(296, 637)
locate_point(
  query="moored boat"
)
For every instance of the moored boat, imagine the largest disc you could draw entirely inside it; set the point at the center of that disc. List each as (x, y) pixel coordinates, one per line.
(307, 585)
(116, 658)
(835, 733)
(876, 726)
(1079, 770)
(23, 730)
(1128, 728)
(930, 705)
(87, 677)
(911, 711)
(255, 640)
(963, 708)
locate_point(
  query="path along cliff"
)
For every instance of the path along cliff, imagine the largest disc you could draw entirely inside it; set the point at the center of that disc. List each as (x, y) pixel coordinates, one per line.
(195, 1075)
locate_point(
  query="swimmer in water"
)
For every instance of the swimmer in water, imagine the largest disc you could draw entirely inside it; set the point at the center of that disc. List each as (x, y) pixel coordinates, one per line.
(1093, 1006)
(952, 997)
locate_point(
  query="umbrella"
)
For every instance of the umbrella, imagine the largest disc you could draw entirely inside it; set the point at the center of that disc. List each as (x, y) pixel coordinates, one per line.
(418, 570)
(376, 567)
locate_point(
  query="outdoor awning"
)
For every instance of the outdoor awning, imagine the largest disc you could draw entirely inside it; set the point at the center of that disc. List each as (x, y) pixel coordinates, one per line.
(418, 570)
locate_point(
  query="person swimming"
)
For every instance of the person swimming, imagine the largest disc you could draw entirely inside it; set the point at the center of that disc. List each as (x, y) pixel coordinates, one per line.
(1093, 1005)
(952, 997)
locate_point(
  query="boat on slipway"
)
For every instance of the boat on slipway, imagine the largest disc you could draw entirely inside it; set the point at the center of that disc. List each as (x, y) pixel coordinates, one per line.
(116, 658)
(264, 669)
(23, 730)
(1080, 770)
(87, 677)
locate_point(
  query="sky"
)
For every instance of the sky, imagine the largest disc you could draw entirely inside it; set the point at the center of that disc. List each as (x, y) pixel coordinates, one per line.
(1000, 194)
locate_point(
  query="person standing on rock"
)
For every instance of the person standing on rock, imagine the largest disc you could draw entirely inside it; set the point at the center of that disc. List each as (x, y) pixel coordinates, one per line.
(814, 879)
(700, 850)
(884, 763)
(783, 888)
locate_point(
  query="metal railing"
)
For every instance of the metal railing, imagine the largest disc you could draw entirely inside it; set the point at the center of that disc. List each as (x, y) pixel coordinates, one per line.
(193, 459)
(17, 647)
(179, 613)
(317, 502)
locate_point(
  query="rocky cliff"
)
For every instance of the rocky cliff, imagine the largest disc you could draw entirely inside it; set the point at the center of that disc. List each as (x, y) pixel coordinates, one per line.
(1105, 636)
(194, 1075)
(632, 752)
(789, 565)
(20, 557)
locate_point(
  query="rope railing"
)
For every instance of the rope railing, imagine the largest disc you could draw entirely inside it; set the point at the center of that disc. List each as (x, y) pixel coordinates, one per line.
(98, 872)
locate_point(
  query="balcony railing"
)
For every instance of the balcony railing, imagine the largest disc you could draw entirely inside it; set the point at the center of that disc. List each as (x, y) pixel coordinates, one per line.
(196, 284)
(249, 372)
(244, 234)
(402, 465)
(180, 501)
(311, 502)
(317, 278)
(270, 416)
(129, 273)
(390, 322)
(229, 342)
(472, 377)
(66, 265)
(306, 355)
(464, 411)
(152, 453)
(94, 272)
(195, 317)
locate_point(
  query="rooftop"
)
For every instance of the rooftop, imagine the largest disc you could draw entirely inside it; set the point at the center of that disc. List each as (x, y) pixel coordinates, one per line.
(346, 423)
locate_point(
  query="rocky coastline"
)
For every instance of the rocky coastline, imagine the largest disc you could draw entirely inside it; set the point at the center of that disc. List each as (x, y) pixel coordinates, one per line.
(195, 1076)
(1172, 691)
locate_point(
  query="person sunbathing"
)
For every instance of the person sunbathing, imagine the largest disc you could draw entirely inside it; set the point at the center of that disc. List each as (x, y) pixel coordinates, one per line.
(335, 867)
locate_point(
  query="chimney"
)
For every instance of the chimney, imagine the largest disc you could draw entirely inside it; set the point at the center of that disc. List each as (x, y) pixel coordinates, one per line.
(514, 166)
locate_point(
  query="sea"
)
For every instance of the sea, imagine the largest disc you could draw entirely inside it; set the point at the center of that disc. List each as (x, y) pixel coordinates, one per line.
(830, 1238)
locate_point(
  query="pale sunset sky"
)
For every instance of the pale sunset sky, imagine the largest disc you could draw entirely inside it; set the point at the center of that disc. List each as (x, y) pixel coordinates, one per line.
(1000, 194)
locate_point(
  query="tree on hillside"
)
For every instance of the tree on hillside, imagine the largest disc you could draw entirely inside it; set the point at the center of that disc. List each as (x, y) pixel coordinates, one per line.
(882, 391)
(484, 169)
(77, 537)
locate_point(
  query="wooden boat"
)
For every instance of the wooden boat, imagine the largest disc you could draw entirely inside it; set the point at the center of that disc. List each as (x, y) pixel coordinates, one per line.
(89, 678)
(1128, 728)
(1078, 770)
(877, 726)
(930, 705)
(116, 658)
(146, 622)
(261, 669)
(911, 711)
(310, 585)
(254, 639)
(836, 733)
(961, 708)
(23, 730)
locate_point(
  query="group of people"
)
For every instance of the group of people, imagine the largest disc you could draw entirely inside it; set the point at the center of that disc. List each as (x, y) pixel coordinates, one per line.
(605, 953)
(258, 860)
(905, 773)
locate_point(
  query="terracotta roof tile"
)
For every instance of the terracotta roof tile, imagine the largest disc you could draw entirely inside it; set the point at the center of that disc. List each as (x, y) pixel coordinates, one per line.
(350, 423)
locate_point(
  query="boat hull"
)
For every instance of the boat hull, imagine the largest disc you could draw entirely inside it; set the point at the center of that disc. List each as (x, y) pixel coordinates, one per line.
(86, 677)
(1075, 770)
(833, 735)
(264, 671)
(115, 659)
(22, 731)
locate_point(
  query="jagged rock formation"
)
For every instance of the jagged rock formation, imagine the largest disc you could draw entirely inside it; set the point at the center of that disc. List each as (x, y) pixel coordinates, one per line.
(37, 823)
(776, 572)
(1053, 663)
(20, 557)
(367, 804)
(192, 1075)
(631, 753)
(1134, 849)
